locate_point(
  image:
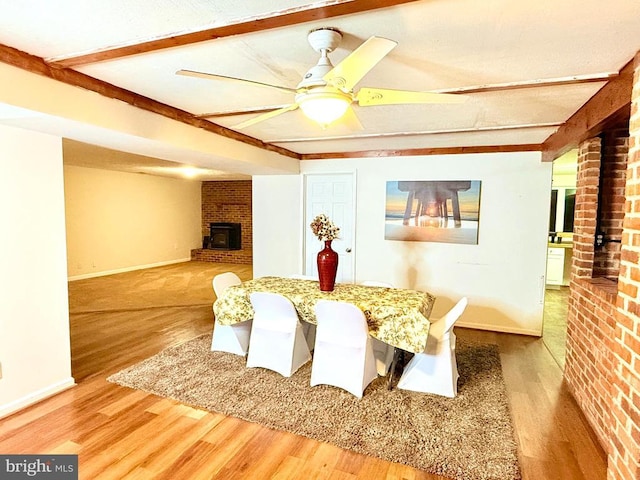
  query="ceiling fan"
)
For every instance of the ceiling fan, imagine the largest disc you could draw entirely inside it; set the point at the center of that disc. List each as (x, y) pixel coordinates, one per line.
(326, 92)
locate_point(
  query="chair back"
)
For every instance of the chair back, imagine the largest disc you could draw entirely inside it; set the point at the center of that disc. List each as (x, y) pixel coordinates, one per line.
(442, 326)
(341, 323)
(224, 280)
(436, 370)
(343, 355)
(374, 283)
(273, 312)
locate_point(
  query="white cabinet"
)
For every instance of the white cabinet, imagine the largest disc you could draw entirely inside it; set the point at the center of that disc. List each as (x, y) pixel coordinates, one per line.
(555, 266)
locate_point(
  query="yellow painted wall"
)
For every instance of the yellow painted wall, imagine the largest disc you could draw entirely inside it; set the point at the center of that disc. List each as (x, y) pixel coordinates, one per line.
(119, 221)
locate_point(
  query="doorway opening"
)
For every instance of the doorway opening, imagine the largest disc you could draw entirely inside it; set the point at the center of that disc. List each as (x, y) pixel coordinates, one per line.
(559, 255)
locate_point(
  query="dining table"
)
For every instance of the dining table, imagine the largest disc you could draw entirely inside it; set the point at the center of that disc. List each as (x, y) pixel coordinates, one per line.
(396, 316)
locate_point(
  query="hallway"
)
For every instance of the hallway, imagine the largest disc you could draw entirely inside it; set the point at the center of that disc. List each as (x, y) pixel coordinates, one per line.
(554, 330)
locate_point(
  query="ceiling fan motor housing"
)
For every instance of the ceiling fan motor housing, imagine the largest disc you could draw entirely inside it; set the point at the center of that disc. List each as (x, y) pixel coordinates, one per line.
(325, 38)
(313, 77)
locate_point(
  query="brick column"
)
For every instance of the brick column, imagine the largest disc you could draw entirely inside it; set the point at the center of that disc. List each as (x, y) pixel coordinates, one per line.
(591, 306)
(586, 209)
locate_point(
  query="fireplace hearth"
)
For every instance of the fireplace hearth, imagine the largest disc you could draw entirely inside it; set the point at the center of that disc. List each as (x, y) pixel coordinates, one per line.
(225, 236)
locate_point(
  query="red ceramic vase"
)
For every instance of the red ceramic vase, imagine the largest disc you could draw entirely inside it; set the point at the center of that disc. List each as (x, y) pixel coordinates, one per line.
(327, 267)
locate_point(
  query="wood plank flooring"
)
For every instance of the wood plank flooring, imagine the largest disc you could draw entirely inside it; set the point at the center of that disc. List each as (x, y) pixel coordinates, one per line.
(120, 433)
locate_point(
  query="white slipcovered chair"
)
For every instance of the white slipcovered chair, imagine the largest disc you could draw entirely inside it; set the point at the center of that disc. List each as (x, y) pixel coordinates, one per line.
(277, 341)
(436, 370)
(229, 338)
(343, 355)
(309, 329)
(382, 351)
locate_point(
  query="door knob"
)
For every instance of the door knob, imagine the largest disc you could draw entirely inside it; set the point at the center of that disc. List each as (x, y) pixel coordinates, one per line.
(348, 250)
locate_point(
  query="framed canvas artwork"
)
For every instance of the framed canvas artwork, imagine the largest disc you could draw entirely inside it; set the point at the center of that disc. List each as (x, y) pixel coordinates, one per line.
(446, 211)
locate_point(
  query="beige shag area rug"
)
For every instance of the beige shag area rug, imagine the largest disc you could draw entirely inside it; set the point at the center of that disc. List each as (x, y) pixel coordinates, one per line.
(469, 437)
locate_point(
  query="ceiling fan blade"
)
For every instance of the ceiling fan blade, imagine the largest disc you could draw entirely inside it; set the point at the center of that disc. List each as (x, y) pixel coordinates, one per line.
(379, 96)
(358, 63)
(213, 76)
(265, 116)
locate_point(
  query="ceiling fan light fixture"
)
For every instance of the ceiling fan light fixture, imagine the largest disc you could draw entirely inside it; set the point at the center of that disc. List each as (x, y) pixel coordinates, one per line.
(324, 107)
(325, 92)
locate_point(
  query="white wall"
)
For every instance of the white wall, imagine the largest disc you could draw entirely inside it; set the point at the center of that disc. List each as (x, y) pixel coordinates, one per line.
(277, 220)
(34, 316)
(120, 221)
(503, 275)
(566, 181)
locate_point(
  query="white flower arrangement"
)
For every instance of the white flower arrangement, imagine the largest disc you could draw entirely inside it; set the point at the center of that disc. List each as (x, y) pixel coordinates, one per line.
(323, 228)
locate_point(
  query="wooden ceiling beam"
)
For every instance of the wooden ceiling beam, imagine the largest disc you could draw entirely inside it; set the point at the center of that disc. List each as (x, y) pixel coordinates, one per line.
(611, 103)
(531, 147)
(543, 82)
(528, 126)
(247, 111)
(37, 65)
(285, 18)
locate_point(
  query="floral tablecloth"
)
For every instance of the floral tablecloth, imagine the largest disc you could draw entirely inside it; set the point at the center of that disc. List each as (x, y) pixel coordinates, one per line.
(396, 316)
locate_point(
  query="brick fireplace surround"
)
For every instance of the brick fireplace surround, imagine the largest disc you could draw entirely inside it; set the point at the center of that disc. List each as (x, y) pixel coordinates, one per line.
(227, 201)
(603, 333)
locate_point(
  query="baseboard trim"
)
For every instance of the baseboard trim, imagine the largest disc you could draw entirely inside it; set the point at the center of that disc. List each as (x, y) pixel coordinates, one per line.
(500, 329)
(36, 396)
(126, 269)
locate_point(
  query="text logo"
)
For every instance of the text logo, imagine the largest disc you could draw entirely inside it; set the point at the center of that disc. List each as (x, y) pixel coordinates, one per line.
(49, 467)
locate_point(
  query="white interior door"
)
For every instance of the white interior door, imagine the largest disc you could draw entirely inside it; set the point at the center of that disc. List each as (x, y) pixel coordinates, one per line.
(333, 195)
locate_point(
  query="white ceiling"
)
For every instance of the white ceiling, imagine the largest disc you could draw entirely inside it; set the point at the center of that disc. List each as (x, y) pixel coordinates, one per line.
(442, 45)
(82, 154)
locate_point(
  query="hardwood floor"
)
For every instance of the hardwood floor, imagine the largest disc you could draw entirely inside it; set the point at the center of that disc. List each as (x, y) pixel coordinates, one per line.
(121, 433)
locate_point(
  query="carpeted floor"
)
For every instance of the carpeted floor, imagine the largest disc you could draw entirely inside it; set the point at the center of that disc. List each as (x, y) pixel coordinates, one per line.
(469, 437)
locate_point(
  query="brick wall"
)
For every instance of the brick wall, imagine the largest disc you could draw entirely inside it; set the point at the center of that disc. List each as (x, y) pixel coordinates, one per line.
(603, 333)
(227, 201)
(624, 455)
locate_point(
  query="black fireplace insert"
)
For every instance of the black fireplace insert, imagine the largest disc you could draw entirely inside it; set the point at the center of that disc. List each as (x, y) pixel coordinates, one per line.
(225, 236)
